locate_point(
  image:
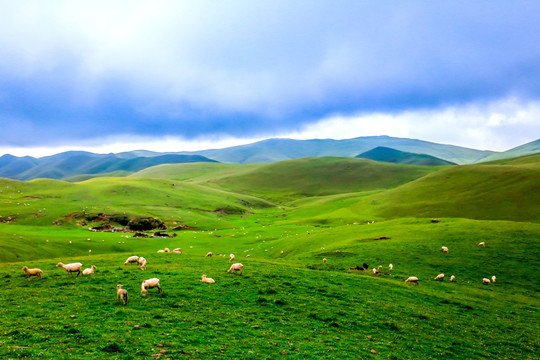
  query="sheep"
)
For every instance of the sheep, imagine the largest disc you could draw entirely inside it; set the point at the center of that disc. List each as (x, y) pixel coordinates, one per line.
(380, 267)
(444, 249)
(324, 260)
(207, 280)
(439, 277)
(493, 278)
(231, 257)
(281, 252)
(482, 244)
(122, 294)
(32, 272)
(142, 263)
(486, 281)
(161, 251)
(412, 279)
(177, 251)
(167, 250)
(132, 259)
(391, 267)
(149, 284)
(365, 266)
(375, 272)
(209, 254)
(236, 267)
(90, 270)
(452, 278)
(71, 268)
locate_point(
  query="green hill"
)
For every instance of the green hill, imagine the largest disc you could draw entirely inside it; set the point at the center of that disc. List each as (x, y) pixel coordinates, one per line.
(318, 176)
(526, 149)
(385, 154)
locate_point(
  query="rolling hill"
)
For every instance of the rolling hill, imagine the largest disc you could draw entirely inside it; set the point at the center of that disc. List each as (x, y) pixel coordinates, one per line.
(385, 154)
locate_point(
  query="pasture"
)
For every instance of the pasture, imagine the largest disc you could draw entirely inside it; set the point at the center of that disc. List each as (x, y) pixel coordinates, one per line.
(287, 305)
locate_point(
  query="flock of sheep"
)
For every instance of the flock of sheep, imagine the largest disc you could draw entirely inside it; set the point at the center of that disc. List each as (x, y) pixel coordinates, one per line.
(141, 261)
(154, 282)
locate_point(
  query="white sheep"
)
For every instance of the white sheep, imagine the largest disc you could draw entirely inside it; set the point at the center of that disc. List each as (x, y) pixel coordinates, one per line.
(281, 252)
(142, 263)
(71, 268)
(209, 254)
(412, 279)
(149, 284)
(161, 251)
(493, 278)
(89, 270)
(122, 294)
(177, 251)
(132, 259)
(207, 280)
(236, 267)
(452, 278)
(166, 250)
(380, 267)
(444, 249)
(439, 277)
(324, 260)
(482, 244)
(231, 257)
(375, 272)
(32, 272)
(391, 267)
(486, 281)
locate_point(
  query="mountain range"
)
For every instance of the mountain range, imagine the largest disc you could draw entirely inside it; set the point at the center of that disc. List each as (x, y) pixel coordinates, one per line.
(76, 163)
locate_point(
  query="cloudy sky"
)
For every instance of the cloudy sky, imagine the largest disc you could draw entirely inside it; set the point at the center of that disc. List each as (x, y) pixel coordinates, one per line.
(184, 75)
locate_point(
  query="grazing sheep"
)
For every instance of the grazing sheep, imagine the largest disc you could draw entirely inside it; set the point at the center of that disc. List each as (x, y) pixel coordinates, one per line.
(132, 259)
(486, 281)
(209, 254)
(391, 267)
(149, 284)
(324, 260)
(375, 272)
(71, 268)
(365, 266)
(166, 250)
(412, 279)
(207, 280)
(231, 257)
(493, 278)
(444, 249)
(236, 267)
(482, 244)
(281, 252)
(161, 251)
(177, 251)
(142, 263)
(439, 277)
(90, 270)
(32, 272)
(380, 267)
(122, 294)
(452, 278)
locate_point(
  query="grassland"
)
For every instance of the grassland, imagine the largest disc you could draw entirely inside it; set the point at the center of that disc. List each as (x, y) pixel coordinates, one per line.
(287, 217)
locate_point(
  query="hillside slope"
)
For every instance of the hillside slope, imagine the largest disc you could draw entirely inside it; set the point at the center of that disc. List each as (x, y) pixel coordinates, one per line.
(293, 179)
(390, 155)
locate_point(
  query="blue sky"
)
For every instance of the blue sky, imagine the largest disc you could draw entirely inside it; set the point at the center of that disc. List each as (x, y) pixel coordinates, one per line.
(177, 75)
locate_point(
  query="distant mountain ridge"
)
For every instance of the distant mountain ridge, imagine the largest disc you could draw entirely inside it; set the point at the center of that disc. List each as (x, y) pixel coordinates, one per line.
(390, 155)
(75, 163)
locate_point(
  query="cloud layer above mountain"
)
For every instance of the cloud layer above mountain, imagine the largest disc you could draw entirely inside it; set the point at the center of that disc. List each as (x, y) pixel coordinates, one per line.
(74, 72)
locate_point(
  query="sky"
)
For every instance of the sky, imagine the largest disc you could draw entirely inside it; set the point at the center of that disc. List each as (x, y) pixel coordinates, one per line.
(111, 76)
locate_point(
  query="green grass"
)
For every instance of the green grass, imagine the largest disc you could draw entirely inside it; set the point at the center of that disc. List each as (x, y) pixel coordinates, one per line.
(288, 303)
